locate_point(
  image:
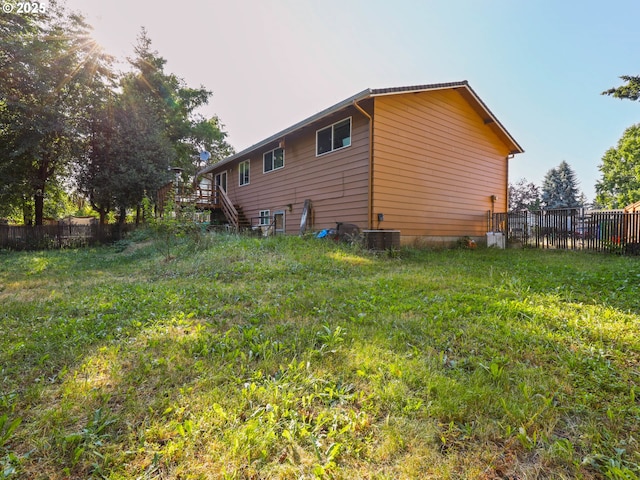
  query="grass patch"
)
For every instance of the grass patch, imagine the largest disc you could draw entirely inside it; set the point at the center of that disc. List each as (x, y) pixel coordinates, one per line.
(296, 358)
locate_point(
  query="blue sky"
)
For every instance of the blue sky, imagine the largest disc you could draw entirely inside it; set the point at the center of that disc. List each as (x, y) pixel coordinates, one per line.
(539, 65)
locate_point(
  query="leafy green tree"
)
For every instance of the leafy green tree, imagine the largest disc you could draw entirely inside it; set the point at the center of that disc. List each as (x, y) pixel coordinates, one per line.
(560, 188)
(209, 135)
(62, 114)
(127, 153)
(630, 90)
(524, 195)
(17, 34)
(96, 167)
(49, 68)
(620, 168)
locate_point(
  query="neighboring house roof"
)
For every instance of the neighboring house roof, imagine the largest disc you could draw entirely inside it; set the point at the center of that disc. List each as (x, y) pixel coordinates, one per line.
(469, 94)
(633, 207)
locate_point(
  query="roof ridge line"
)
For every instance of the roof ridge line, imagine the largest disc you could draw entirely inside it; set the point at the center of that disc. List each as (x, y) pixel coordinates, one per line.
(367, 93)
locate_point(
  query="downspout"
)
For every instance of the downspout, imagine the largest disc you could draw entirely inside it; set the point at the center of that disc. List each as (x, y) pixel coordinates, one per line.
(370, 199)
(506, 194)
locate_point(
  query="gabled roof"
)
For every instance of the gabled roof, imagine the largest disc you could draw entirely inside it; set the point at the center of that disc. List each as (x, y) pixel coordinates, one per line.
(463, 87)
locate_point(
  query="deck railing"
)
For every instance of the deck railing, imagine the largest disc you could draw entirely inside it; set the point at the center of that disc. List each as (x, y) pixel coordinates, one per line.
(186, 194)
(200, 197)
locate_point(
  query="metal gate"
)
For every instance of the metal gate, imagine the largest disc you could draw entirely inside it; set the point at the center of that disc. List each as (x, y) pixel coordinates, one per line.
(572, 228)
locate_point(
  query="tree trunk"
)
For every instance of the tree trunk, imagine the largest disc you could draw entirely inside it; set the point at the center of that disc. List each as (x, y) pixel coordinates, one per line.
(38, 200)
(122, 219)
(41, 181)
(27, 212)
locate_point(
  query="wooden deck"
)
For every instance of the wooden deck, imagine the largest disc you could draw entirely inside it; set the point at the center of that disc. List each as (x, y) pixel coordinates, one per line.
(186, 195)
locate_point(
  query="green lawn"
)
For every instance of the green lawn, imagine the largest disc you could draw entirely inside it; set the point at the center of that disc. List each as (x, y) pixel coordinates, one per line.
(299, 358)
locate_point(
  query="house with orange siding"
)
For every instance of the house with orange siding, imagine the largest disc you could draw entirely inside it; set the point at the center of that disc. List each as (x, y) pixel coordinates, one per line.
(429, 161)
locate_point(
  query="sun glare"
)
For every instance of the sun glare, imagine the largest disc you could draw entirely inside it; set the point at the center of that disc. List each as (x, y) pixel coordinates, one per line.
(350, 259)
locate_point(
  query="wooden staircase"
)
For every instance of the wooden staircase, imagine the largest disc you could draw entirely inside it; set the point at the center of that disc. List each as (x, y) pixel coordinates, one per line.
(215, 199)
(243, 222)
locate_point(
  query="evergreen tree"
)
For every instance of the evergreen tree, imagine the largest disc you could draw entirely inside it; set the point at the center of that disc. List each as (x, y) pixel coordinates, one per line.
(630, 90)
(177, 105)
(141, 150)
(559, 188)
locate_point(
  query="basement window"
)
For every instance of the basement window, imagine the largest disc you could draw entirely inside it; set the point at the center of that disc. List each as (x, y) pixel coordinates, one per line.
(273, 160)
(265, 217)
(333, 137)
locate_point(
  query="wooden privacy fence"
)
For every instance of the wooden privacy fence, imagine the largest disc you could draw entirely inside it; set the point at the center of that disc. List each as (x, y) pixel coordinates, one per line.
(59, 236)
(573, 228)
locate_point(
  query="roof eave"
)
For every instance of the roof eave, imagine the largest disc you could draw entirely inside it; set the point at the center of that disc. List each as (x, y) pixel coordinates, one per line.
(514, 147)
(308, 121)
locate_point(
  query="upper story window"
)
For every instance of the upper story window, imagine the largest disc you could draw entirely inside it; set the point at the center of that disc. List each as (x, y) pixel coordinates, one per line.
(273, 160)
(333, 137)
(243, 170)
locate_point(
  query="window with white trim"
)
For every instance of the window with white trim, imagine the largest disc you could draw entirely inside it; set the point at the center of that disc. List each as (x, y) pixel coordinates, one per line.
(273, 160)
(243, 170)
(333, 137)
(265, 217)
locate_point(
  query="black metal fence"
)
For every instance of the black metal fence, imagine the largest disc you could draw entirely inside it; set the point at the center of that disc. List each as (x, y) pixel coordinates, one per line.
(598, 230)
(43, 237)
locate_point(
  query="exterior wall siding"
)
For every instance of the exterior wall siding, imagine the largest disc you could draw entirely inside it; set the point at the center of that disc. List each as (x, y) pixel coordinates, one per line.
(436, 165)
(336, 182)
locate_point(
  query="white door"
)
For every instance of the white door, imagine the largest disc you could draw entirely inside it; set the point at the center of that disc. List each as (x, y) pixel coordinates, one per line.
(221, 180)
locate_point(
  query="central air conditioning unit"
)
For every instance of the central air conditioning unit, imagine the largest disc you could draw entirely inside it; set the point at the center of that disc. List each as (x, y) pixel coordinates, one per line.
(381, 239)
